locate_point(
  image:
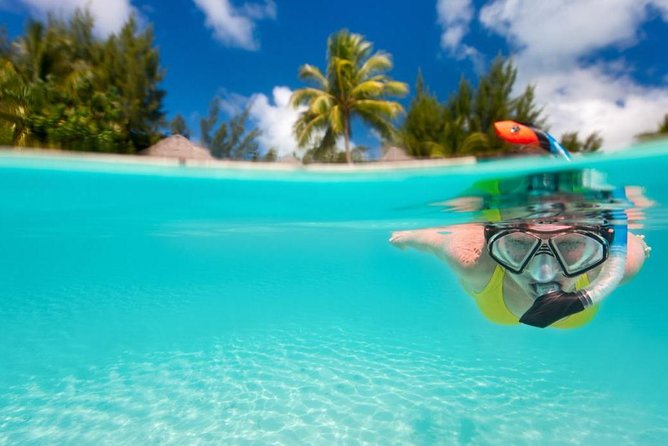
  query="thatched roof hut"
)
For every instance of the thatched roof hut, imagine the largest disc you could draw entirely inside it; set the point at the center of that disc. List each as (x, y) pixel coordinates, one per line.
(289, 159)
(177, 146)
(395, 154)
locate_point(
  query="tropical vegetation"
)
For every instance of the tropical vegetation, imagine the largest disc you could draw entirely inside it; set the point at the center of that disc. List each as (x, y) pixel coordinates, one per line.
(61, 87)
(355, 84)
(231, 140)
(572, 142)
(178, 126)
(463, 125)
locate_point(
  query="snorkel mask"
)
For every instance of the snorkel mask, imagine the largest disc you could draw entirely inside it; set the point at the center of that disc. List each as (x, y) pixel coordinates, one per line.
(578, 249)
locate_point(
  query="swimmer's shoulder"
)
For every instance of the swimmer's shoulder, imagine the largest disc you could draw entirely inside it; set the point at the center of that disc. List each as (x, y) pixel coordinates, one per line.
(637, 252)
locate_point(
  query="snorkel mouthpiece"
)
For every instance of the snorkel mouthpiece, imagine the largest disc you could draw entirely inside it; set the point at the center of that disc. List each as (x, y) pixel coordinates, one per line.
(545, 288)
(551, 307)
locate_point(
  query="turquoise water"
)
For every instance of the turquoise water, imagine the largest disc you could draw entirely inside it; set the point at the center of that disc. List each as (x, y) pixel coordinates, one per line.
(176, 305)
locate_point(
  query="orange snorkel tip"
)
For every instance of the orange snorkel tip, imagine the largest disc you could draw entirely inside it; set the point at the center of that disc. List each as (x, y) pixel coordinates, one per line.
(516, 133)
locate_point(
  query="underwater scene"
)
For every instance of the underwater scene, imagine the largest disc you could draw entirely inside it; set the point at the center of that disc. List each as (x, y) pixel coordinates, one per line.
(173, 304)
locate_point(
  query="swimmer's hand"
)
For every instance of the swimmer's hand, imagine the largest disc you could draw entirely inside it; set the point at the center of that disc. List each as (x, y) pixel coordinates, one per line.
(422, 239)
(551, 307)
(401, 239)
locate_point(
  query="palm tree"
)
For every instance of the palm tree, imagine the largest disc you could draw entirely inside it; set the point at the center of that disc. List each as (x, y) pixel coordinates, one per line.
(355, 84)
(15, 106)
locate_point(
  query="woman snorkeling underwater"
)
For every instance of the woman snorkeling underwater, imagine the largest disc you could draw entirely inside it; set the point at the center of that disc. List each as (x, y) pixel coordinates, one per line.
(531, 273)
(551, 266)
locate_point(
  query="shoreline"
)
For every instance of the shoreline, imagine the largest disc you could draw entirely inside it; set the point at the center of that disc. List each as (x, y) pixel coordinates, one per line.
(160, 161)
(53, 159)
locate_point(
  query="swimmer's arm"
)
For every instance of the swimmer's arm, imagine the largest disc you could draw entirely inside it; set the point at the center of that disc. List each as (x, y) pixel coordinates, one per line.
(460, 246)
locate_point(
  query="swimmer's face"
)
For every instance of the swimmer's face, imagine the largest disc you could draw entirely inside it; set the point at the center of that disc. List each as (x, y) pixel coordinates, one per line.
(543, 271)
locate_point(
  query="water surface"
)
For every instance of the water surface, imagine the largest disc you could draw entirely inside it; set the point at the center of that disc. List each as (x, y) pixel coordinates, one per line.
(176, 305)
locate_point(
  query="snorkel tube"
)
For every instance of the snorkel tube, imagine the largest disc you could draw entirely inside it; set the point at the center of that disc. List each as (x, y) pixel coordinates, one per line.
(557, 304)
(526, 134)
(612, 271)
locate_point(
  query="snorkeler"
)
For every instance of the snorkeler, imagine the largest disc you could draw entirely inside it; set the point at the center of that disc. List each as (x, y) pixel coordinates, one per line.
(535, 272)
(551, 266)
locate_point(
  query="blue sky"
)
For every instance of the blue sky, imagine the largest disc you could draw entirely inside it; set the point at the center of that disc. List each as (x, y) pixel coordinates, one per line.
(599, 65)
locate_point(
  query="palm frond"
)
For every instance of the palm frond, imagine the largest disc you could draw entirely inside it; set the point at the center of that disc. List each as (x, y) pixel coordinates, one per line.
(474, 143)
(379, 123)
(434, 149)
(361, 47)
(368, 89)
(338, 67)
(320, 104)
(305, 126)
(394, 88)
(377, 63)
(337, 119)
(388, 109)
(304, 96)
(311, 73)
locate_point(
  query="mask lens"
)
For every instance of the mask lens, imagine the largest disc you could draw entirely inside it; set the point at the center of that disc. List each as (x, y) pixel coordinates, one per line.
(513, 250)
(578, 252)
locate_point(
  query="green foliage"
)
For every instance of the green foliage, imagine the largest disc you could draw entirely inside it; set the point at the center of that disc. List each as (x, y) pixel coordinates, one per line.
(463, 125)
(4, 43)
(525, 109)
(424, 125)
(355, 84)
(15, 99)
(321, 154)
(492, 100)
(331, 154)
(178, 126)
(323, 151)
(60, 87)
(271, 155)
(359, 154)
(132, 68)
(231, 140)
(572, 142)
(207, 124)
(663, 126)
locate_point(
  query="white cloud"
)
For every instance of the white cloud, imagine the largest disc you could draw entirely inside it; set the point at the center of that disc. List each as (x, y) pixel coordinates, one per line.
(273, 116)
(557, 33)
(589, 99)
(454, 16)
(275, 120)
(552, 42)
(109, 15)
(232, 103)
(662, 5)
(235, 26)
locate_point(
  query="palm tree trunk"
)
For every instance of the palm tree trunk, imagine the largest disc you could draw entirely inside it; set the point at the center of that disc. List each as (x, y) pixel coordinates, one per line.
(346, 140)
